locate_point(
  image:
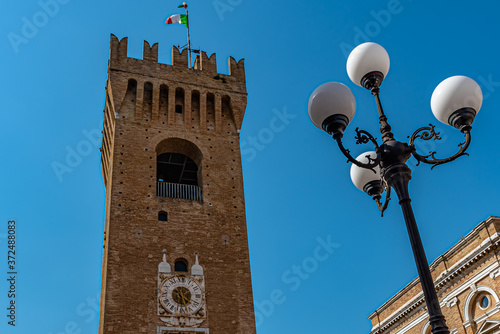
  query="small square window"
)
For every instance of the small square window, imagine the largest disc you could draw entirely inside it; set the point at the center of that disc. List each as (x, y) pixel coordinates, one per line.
(162, 216)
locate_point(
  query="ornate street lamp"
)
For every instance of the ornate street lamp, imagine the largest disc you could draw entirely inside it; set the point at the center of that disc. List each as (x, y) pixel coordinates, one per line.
(455, 101)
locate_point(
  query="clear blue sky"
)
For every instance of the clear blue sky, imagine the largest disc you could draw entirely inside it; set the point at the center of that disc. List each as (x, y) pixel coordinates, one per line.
(297, 184)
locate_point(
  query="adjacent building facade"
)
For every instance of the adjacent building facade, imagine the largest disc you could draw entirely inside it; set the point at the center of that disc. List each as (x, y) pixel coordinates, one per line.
(176, 254)
(467, 283)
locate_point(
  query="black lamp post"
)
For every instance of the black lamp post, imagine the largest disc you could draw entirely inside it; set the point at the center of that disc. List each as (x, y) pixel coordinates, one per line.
(455, 101)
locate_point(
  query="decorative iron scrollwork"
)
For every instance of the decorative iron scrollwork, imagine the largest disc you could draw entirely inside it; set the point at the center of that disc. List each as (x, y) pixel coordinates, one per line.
(362, 137)
(428, 133)
(383, 206)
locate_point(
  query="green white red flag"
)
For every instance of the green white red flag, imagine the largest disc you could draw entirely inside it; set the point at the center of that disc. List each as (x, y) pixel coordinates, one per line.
(177, 18)
(182, 19)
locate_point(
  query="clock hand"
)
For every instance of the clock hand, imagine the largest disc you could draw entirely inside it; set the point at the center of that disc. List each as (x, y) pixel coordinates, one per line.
(183, 299)
(179, 295)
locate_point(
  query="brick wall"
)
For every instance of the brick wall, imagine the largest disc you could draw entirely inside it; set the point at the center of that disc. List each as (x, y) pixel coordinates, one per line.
(138, 122)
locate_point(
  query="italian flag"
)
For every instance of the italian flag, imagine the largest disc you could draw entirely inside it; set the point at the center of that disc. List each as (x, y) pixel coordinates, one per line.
(184, 5)
(177, 18)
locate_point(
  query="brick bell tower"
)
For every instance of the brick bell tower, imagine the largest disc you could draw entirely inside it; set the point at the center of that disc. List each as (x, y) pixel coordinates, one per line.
(176, 250)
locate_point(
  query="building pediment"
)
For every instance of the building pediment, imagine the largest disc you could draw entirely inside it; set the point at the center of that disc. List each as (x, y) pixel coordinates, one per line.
(489, 327)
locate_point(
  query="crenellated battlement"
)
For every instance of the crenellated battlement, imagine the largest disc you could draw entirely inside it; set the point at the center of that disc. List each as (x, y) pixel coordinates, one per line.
(203, 64)
(150, 52)
(196, 99)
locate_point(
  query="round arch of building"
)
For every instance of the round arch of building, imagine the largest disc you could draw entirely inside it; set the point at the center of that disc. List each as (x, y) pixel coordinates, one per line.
(471, 298)
(179, 169)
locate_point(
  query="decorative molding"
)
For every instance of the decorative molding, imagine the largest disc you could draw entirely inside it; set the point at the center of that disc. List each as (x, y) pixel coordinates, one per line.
(465, 265)
(426, 326)
(459, 290)
(493, 237)
(488, 326)
(166, 330)
(413, 323)
(468, 300)
(486, 315)
(463, 242)
(182, 321)
(417, 303)
(164, 267)
(452, 302)
(168, 307)
(495, 273)
(474, 279)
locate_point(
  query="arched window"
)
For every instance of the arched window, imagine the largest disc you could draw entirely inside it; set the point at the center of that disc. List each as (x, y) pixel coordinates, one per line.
(181, 265)
(179, 100)
(131, 90)
(478, 302)
(210, 112)
(176, 168)
(179, 170)
(127, 108)
(195, 109)
(228, 123)
(147, 100)
(162, 216)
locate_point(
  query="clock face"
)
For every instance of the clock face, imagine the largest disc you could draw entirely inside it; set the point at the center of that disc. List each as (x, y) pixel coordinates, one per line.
(181, 295)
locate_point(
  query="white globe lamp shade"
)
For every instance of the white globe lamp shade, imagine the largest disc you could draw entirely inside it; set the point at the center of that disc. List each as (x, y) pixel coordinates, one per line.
(456, 101)
(333, 101)
(363, 176)
(368, 58)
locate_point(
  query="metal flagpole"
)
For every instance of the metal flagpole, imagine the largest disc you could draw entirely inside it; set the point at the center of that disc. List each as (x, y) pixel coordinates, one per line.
(189, 37)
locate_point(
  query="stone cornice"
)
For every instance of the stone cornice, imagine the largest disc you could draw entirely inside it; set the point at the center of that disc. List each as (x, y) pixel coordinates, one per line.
(448, 277)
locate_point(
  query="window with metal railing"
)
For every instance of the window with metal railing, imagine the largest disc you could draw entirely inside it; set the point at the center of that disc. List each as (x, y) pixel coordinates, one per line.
(177, 177)
(181, 191)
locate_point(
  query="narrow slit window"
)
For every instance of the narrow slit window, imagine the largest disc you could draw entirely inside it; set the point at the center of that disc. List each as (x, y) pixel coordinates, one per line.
(179, 100)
